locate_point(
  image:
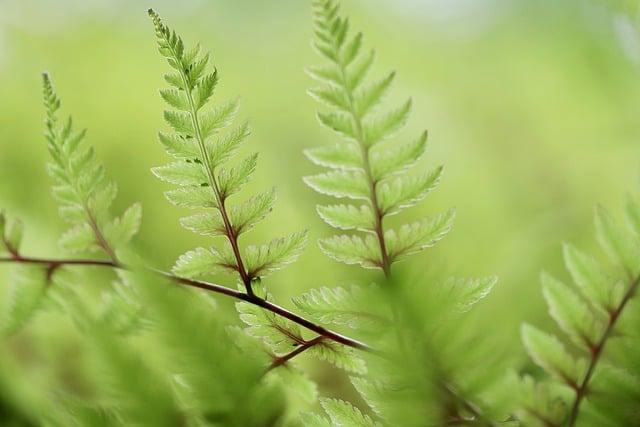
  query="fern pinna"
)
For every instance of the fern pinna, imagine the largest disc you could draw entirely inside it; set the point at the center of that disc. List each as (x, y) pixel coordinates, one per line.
(598, 384)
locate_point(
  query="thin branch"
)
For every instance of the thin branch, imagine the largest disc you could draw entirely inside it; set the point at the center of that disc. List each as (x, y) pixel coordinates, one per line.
(597, 349)
(207, 286)
(279, 361)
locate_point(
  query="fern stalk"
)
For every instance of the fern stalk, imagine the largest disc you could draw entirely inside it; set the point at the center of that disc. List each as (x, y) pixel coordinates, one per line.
(598, 348)
(211, 287)
(366, 165)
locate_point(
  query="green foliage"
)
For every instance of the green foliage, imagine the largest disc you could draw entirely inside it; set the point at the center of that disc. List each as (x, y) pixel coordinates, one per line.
(598, 318)
(82, 188)
(366, 165)
(203, 142)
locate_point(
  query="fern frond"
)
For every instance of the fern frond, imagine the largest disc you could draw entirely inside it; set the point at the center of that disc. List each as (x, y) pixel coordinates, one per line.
(82, 188)
(364, 167)
(340, 413)
(597, 316)
(203, 142)
(340, 306)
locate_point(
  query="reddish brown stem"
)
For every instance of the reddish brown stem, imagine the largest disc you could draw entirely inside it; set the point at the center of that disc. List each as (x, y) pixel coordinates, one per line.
(279, 361)
(597, 349)
(207, 286)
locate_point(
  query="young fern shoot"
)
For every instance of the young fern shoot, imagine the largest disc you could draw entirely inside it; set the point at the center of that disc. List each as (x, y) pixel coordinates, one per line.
(205, 182)
(363, 167)
(82, 188)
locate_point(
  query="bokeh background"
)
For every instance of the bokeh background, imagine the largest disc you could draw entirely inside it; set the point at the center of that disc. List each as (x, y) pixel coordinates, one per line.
(532, 105)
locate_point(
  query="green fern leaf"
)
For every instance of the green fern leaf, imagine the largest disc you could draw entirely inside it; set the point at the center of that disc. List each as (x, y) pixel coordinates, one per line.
(81, 186)
(617, 243)
(353, 250)
(343, 413)
(279, 334)
(275, 255)
(347, 217)
(201, 261)
(417, 236)
(464, 293)
(309, 419)
(349, 184)
(363, 168)
(594, 283)
(405, 191)
(204, 143)
(192, 197)
(397, 159)
(549, 353)
(572, 313)
(181, 173)
(346, 156)
(233, 179)
(339, 355)
(339, 306)
(122, 229)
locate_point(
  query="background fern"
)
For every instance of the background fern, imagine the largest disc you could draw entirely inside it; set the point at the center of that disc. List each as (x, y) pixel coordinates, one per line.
(81, 345)
(364, 167)
(598, 383)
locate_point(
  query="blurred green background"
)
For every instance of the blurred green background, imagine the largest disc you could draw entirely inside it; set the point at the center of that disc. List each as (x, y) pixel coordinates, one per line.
(532, 106)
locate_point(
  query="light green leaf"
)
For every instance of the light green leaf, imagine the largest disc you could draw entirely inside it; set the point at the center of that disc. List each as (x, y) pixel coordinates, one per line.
(230, 181)
(344, 414)
(327, 74)
(339, 306)
(279, 334)
(122, 229)
(464, 292)
(226, 146)
(347, 217)
(571, 313)
(367, 97)
(549, 353)
(406, 191)
(181, 173)
(417, 236)
(386, 161)
(244, 216)
(179, 146)
(201, 261)
(192, 197)
(351, 50)
(341, 356)
(377, 129)
(80, 238)
(619, 244)
(204, 89)
(206, 224)
(346, 156)
(278, 253)
(353, 250)
(592, 280)
(14, 235)
(349, 184)
(309, 419)
(220, 117)
(359, 70)
(332, 97)
(180, 121)
(340, 123)
(176, 98)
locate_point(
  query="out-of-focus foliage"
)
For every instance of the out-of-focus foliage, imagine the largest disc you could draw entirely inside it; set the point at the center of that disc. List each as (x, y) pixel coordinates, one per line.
(533, 106)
